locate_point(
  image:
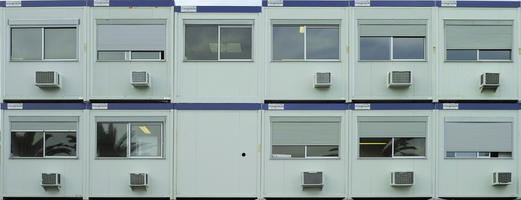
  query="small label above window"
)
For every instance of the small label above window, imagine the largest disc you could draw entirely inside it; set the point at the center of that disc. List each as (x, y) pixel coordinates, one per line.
(450, 106)
(275, 2)
(363, 3)
(13, 3)
(100, 106)
(449, 3)
(275, 106)
(362, 106)
(101, 2)
(188, 8)
(15, 106)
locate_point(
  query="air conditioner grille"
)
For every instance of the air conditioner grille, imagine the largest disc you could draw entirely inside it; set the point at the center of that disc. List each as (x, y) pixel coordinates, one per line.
(138, 179)
(492, 78)
(312, 178)
(323, 77)
(503, 177)
(50, 179)
(401, 77)
(402, 178)
(45, 77)
(139, 77)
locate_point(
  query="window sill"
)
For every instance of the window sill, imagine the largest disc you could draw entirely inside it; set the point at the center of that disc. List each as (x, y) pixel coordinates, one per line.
(45, 158)
(127, 61)
(300, 60)
(402, 60)
(130, 158)
(479, 61)
(394, 158)
(55, 60)
(230, 60)
(312, 158)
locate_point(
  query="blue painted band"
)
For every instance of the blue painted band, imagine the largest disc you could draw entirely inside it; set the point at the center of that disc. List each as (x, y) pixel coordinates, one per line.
(138, 106)
(403, 3)
(177, 8)
(401, 106)
(2, 3)
(50, 106)
(264, 3)
(311, 106)
(57, 3)
(316, 3)
(217, 106)
(484, 106)
(246, 9)
(137, 3)
(498, 4)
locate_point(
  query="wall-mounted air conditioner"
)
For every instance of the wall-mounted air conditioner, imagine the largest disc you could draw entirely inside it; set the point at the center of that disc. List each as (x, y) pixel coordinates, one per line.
(322, 80)
(399, 79)
(404, 178)
(312, 179)
(51, 180)
(501, 178)
(140, 79)
(138, 180)
(489, 81)
(47, 79)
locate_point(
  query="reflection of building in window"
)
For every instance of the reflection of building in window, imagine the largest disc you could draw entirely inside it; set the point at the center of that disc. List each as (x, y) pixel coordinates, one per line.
(305, 137)
(392, 136)
(305, 42)
(145, 139)
(475, 138)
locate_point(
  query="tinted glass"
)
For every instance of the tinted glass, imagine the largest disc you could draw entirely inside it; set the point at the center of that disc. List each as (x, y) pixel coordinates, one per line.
(111, 139)
(494, 54)
(408, 47)
(111, 55)
(146, 55)
(235, 42)
(27, 144)
(288, 42)
(201, 42)
(145, 139)
(375, 48)
(60, 43)
(375, 147)
(26, 44)
(466, 154)
(322, 43)
(288, 151)
(323, 151)
(60, 144)
(409, 146)
(462, 54)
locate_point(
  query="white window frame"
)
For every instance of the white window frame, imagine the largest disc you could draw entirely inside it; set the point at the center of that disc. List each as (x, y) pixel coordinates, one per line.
(392, 149)
(477, 56)
(477, 155)
(128, 56)
(42, 31)
(43, 144)
(391, 49)
(306, 157)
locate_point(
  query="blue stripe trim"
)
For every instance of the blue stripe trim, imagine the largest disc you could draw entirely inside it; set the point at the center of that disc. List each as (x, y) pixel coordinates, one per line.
(498, 4)
(137, 3)
(248, 9)
(137, 106)
(484, 106)
(264, 3)
(217, 106)
(58, 3)
(177, 8)
(316, 3)
(2, 3)
(311, 106)
(50, 106)
(402, 3)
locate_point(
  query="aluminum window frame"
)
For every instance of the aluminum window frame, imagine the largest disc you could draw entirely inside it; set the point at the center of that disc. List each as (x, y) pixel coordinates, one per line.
(306, 157)
(477, 157)
(128, 56)
(43, 144)
(477, 56)
(391, 49)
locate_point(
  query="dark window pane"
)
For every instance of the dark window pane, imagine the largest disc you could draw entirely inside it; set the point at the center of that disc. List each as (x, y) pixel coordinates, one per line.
(26, 44)
(322, 151)
(322, 43)
(201, 42)
(236, 42)
(146, 55)
(494, 54)
(60, 144)
(450, 154)
(288, 42)
(27, 144)
(287, 151)
(375, 48)
(484, 154)
(112, 139)
(409, 146)
(60, 43)
(462, 54)
(111, 55)
(375, 147)
(145, 139)
(408, 48)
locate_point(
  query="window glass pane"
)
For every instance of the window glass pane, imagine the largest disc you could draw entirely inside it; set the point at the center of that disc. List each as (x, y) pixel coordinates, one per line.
(26, 44)
(288, 151)
(466, 154)
(146, 55)
(112, 139)
(27, 144)
(408, 47)
(322, 43)
(375, 48)
(235, 43)
(494, 54)
(322, 151)
(60, 144)
(504, 154)
(462, 54)
(145, 139)
(484, 154)
(60, 43)
(450, 154)
(201, 42)
(375, 147)
(409, 146)
(288, 42)
(111, 55)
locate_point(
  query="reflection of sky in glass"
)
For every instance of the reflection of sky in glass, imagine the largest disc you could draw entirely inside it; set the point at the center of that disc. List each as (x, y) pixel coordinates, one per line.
(494, 54)
(408, 48)
(322, 43)
(288, 42)
(375, 48)
(462, 54)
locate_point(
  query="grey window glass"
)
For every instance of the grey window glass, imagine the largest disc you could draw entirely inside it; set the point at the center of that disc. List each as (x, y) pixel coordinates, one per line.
(322, 43)
(236, 43)
(201, 42)
(484, 154)
(111, 55)
(503, 154)
(145, 139)
(288, 42)
(322, 151)
(462, 54)
(408, 47)
(450, 154)
(146, 55)
(291, 151)
(375, 48)
(60, 144)
(499, 54)
(466, 154)
(111, 139)
(409, 146)
(60, 43)
(26, 43)
(375, 147)
(27, 144)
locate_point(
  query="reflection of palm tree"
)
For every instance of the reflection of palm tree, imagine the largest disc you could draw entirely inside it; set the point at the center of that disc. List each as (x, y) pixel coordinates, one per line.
(66, 148)
(27, 144)
(107, 145)
(403, 147)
